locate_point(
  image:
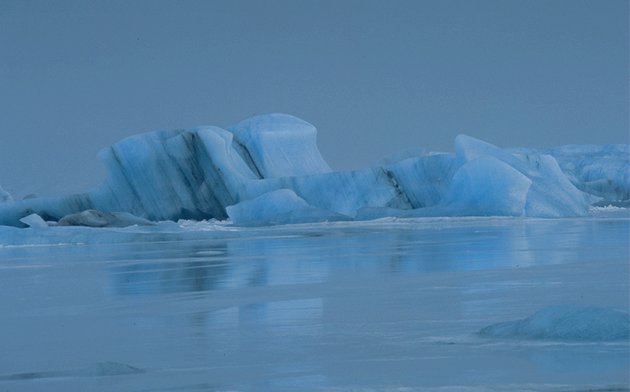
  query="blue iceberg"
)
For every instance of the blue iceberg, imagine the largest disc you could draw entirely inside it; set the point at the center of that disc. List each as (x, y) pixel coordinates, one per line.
(268, 170)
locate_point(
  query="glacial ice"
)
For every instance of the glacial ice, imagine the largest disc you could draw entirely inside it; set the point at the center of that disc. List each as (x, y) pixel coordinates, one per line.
(268, 170)
(488, 186)
(602, 171)
(565, 322)
(279, 146)
(279, 207)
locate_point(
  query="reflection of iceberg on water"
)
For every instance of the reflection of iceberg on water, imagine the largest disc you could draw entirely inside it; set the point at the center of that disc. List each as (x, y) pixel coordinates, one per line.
(268, 169)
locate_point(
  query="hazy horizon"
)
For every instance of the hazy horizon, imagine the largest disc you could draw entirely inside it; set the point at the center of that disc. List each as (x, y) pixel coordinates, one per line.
(374, 77)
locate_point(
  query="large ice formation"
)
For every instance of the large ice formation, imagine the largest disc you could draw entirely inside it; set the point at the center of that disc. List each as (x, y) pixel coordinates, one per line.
(565, 322)
(267, 169)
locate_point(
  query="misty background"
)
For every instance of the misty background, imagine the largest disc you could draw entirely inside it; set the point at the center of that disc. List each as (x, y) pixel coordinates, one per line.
(375, 77)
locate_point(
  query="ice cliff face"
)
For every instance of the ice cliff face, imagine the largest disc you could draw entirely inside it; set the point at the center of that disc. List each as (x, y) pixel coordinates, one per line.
(268, 169)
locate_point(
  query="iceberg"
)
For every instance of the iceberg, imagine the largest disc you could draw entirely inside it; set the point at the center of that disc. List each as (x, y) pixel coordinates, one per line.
(268, 170)
(565, 322)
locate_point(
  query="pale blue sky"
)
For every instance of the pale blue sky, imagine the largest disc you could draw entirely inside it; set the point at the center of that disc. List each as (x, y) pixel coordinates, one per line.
(375, 77)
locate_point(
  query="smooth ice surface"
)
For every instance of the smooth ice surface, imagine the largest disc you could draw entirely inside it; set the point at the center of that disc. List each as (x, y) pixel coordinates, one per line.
(551, 194)
(566, 322)
(199, 173)
(488, 186)
(386, 305)
(280, 145)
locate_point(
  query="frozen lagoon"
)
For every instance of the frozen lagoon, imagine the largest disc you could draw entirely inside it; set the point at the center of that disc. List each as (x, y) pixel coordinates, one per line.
(386, 305)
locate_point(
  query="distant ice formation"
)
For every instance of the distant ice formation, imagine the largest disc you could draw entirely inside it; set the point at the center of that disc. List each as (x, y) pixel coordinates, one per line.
(565, 322)
(268, 170)
(5, 196)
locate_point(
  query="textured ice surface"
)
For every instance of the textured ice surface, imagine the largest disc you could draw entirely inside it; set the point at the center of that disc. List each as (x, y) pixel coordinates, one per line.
(599, 170)
(198, 173)
(566, 322)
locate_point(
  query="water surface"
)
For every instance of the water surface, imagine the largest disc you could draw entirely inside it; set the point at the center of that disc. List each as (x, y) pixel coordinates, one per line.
(382, 305)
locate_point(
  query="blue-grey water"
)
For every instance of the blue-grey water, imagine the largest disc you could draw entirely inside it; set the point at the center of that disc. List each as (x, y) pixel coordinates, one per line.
(384, 305)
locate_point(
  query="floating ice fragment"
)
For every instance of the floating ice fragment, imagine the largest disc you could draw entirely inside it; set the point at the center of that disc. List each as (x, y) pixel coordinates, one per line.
(34, 221)
(565, 322)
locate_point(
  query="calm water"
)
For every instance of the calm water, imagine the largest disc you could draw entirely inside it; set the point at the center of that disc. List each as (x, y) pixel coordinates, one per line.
(382, 305)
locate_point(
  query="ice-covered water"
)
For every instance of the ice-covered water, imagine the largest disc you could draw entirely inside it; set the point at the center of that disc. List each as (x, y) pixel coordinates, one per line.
(380, 305)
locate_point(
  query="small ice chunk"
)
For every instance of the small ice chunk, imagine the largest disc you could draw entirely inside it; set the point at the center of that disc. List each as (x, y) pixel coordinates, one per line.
(565, 322)
(34, 221)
